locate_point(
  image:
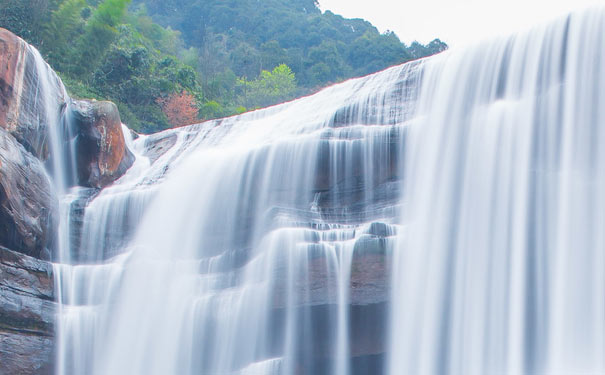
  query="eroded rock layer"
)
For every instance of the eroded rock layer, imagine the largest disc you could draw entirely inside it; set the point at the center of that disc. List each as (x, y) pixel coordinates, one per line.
(28, 205)
(27, 314)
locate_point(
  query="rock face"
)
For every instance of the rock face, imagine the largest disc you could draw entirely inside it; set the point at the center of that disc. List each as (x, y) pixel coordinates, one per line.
(102, 155)
(28, 206)
(32, 99)
(35, 110)
(27, 315)
(158, 144)
(32, 96)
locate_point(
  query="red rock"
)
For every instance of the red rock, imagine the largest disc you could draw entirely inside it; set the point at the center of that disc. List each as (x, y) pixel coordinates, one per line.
(31, 95)
(102, 155)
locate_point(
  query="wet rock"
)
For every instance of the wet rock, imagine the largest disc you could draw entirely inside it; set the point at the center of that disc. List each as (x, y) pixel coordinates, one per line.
(134, 134)
(381, 229)
(31, 95)
(118, 225)
(28, 206)
(25, 354)
(27, 314)
(316, 337)
(368, 244)
(26, 275)
(102, 154)
(77, 211)
(369, 277)
(158, 144)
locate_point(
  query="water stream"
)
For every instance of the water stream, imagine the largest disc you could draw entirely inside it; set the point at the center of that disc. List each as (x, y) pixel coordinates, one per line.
(441, 217)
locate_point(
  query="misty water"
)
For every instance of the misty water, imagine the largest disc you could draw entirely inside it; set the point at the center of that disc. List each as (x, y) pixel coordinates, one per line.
(440, 217)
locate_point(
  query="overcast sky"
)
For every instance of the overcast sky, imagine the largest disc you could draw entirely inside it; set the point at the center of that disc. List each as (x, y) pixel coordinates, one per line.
(456, 22)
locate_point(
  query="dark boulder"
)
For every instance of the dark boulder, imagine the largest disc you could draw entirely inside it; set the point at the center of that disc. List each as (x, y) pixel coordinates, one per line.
(28, 206)
(102, 154)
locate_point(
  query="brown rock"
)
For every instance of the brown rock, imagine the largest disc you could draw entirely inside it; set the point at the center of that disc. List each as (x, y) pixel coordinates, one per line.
(102, 155)
(12, 50)
(31, 95)
(28, 207)
(27, 315)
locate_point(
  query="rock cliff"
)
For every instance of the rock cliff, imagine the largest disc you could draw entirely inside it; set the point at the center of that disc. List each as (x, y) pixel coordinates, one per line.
(32, 96)
(27, 314)
(34, 108)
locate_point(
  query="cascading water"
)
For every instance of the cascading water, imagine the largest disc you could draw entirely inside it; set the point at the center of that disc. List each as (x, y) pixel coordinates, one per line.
(230, 246)
(262, 243)
(501, 269)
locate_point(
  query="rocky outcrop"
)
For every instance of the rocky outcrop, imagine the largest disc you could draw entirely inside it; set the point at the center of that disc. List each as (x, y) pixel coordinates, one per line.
(33, 110)
(27, 315)
(28, 206)
(32, 96)
(102, 155)
(32, 102)
(36, 113)
(158, 144)
(32, 99)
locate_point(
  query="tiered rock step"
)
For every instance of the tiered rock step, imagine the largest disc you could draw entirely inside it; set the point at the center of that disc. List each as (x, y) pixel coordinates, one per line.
(27, 314)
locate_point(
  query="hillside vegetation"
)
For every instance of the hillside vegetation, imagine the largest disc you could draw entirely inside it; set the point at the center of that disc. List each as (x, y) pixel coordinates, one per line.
(173, 62)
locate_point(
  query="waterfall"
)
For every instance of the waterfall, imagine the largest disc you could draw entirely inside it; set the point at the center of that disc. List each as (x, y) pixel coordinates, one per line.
(440, 217)
(230, 247)
(501, 268)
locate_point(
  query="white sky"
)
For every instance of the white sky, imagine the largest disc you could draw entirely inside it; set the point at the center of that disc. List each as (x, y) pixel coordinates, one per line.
(456, 22)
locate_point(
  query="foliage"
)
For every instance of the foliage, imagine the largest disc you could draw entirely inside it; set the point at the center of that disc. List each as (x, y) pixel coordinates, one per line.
(371, 52)
(212, 109)
(180, 109)
(248, 36)
(269, 88)
(100, 31)
(171, 62)
(66, 24)
(80, 90)
(26, 17)
(128, 117)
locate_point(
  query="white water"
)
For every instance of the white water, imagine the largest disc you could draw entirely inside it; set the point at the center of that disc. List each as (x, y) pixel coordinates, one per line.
(502, 266)
(244, 232)
(247, 247)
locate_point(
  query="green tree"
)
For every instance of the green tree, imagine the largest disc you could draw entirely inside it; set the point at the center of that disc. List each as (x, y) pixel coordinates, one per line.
(212, 109)
(272, 54)
(418, 50)
(65, 26)
(326, 64)
(246, 61)
(99, 33)
(106, 50)
(372, 52)
(248, 36)
(26, 18)
(270, 88)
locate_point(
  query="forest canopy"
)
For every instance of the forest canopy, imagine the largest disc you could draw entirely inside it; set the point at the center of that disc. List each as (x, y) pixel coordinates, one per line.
(202, 58)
